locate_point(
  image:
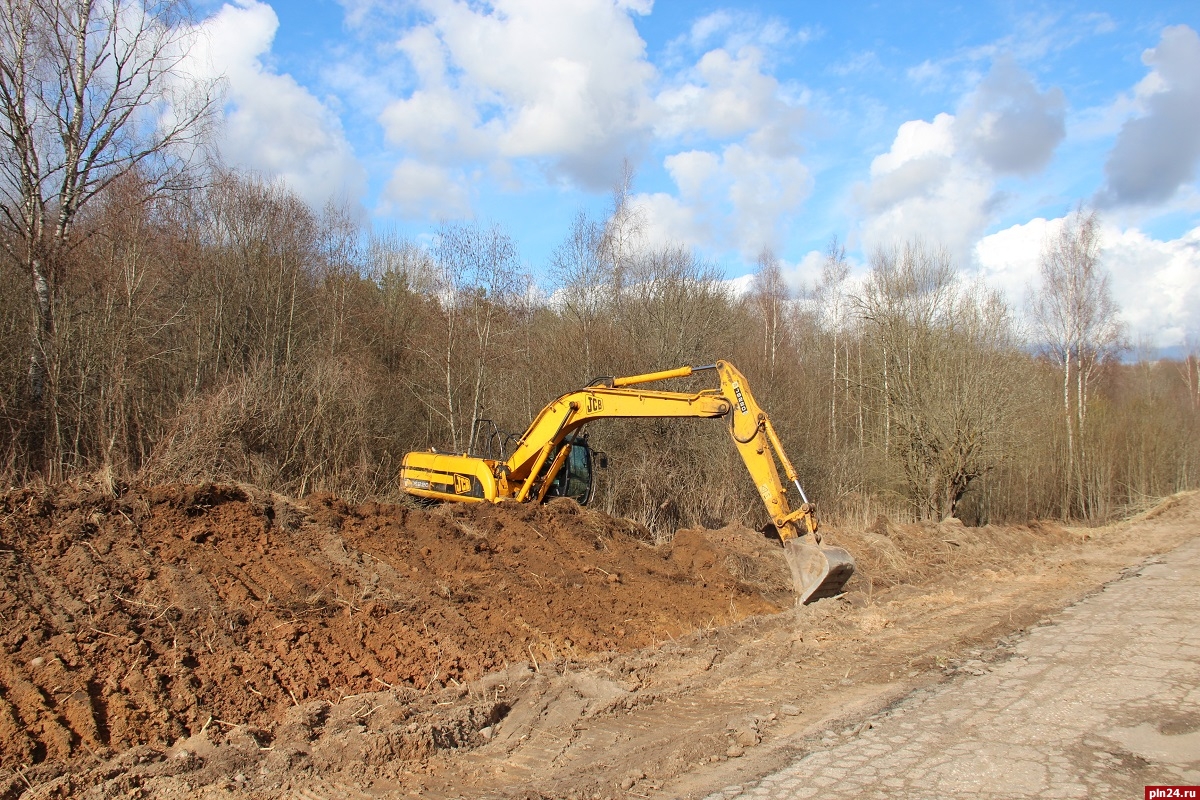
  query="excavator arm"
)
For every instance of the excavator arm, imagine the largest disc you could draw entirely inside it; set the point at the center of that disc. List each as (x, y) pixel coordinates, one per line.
(543, 451)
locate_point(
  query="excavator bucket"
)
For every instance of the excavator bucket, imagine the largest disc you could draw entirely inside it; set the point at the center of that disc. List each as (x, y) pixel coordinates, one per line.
(817, 571)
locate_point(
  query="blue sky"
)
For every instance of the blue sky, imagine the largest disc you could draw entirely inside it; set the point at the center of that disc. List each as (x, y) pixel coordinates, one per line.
(750, 125)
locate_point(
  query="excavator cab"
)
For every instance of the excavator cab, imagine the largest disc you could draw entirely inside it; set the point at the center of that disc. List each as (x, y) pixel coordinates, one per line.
(574, 480)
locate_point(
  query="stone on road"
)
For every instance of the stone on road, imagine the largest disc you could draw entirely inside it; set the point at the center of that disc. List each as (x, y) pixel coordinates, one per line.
(1101, 701)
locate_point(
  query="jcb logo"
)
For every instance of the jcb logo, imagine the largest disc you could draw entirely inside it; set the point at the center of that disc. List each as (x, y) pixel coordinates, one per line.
(594, 404)
(462, 484)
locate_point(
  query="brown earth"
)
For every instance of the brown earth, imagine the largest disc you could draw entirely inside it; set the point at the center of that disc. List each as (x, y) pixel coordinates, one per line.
(133, 620)
(184, 638)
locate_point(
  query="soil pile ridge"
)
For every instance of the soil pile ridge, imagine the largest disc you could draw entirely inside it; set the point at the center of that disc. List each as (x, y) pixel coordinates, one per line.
(146, 618)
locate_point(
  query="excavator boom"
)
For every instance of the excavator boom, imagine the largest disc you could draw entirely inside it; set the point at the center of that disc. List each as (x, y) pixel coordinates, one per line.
(551, 459)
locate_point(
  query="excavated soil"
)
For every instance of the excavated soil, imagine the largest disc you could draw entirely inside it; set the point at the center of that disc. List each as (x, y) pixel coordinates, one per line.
(181, 641)
(141, 619)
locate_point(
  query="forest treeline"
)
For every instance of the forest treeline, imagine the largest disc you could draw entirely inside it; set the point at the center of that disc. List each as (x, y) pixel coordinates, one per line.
(232, 332)
(163, 318)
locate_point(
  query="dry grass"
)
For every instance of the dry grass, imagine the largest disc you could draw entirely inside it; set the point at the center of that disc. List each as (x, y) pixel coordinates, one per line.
(297, 431)
(891, 555)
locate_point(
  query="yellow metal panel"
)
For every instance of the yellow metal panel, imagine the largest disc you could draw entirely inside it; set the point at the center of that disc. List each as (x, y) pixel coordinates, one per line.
(448, 477)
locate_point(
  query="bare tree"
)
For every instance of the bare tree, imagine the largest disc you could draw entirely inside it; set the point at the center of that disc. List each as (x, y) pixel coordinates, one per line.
(946, 373)
(479, 279)
(1075, 320)
(830, 296)
(669, 307)
(89, 91)
(769, 296)
(582, 278)
(1190, 369)
(621, 239)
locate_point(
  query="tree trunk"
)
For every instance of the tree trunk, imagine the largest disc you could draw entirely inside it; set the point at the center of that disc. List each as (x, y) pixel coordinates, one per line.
(1070, 476)
(43, 334)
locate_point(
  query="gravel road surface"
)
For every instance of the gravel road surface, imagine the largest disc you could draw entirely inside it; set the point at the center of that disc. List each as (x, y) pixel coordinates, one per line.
(1098, 701)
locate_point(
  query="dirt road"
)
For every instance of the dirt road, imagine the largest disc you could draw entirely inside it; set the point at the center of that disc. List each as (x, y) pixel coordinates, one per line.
(1099, 701)
(198, 641)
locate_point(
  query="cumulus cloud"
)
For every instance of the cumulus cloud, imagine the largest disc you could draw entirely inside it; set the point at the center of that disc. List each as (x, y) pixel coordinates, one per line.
(1009, 124)
(724, 96)
(568, 87)
(1155, 282)
(666, 220)
(437, 125)
(1008, 260)
(922, 188)
(1158, 152)
(764, 190)
(738, 190)
(565, 83)
(271, 123)
(938, 180)
(738, 197)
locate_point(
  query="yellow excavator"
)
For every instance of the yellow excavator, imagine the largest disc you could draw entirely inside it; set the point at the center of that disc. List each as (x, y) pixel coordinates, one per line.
(552, 459)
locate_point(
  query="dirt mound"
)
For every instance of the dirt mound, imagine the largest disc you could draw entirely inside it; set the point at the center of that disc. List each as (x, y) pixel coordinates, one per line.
(164, 612)
(891, 557)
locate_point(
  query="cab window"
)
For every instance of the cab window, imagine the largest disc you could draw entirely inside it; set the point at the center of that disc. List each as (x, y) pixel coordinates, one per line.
(574, 480)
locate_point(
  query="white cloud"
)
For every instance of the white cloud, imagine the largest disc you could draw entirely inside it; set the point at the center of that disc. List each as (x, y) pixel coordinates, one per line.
(272, 124)
(937, 182)
(357, 11)
(738, 191)
(566, 83)
(799, 277)
(950, 210)
(706, 28)
(568, 86)
(668, 221)
(764, 190)
(1158, 151)
(916, 140)
(693, 172)
(922, 189)
(437, 125)
(427, 55)
(1008, 260)
(724, 96)
(418, 190)
(806, 273)
(739, 198)
(1156, 283)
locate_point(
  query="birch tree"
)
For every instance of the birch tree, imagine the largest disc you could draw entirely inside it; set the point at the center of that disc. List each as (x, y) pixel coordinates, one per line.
(1075, 321)
(769, 296)
(478, 280)
(830, 296)
(89, 91)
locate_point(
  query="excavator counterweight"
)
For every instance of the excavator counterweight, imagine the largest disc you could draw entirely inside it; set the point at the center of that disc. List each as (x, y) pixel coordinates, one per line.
(552, 459)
